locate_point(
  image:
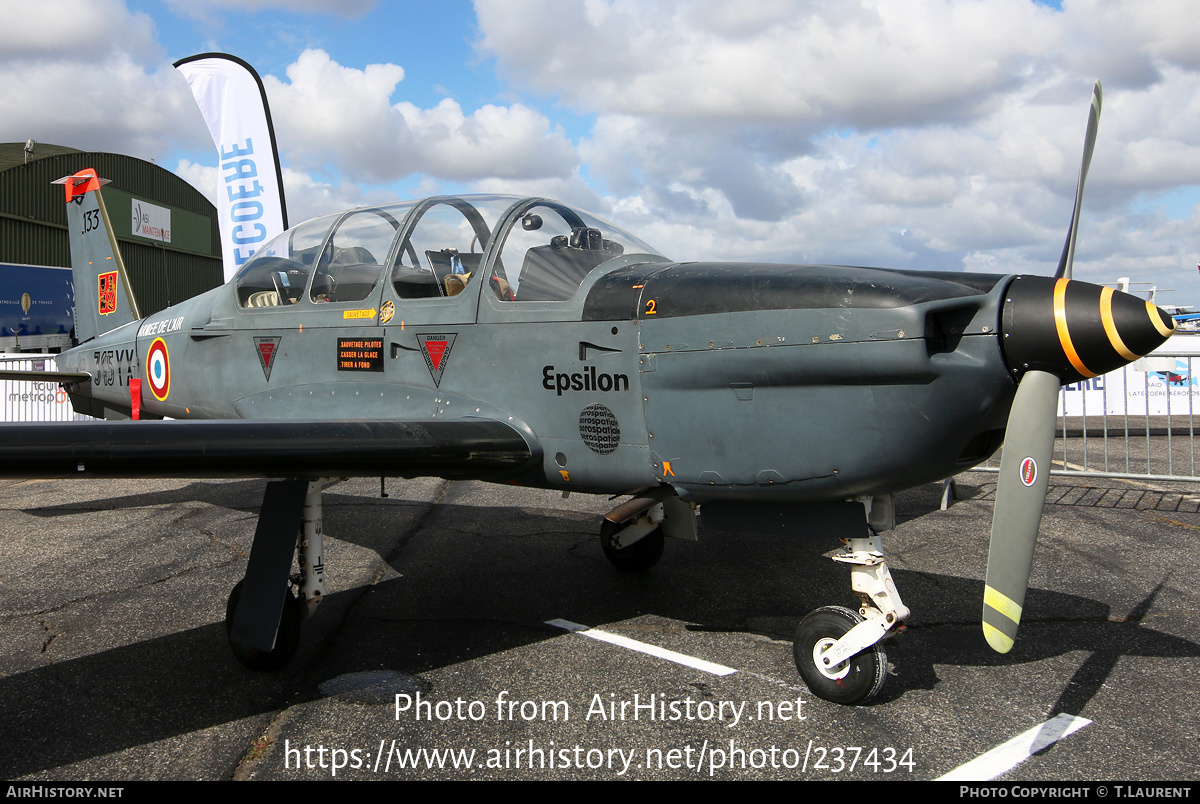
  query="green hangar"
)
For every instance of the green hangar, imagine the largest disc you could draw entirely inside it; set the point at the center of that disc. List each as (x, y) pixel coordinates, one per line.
(167, 232)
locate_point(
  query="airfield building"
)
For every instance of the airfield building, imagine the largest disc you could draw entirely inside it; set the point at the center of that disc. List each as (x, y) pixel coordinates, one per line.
(167, 232)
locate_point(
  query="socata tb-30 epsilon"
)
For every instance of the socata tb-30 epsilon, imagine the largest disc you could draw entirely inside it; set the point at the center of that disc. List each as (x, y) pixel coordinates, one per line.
(524, 341)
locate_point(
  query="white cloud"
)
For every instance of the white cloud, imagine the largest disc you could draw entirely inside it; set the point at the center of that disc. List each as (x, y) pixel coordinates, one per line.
(935, 133)
(89, 75)
(708, 97)
(570, 190)
(207, 9)
(868, 64)
(328, 114)
(513, 142)
(307, 196)
(938, 134)
(203, 177)
(78, 30)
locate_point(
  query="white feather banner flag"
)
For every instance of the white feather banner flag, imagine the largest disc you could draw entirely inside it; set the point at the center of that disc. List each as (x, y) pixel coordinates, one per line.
(249, 186)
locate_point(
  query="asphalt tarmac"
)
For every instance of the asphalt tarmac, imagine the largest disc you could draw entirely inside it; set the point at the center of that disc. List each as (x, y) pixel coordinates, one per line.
(114, 663)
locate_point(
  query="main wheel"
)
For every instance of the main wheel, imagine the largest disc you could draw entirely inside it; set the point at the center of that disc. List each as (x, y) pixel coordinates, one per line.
(637, 557)
(287, 640)
(852, 681)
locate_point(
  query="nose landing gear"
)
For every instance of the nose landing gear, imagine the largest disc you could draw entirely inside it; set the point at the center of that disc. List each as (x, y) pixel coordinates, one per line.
(839, 652)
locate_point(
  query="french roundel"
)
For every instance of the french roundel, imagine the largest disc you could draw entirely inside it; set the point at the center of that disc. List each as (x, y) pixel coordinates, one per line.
(158, 370)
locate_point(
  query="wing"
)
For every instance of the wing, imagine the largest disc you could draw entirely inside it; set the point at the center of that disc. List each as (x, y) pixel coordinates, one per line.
(450, 448)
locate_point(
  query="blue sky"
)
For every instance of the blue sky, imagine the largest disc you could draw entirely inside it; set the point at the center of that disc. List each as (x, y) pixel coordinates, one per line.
(938, 134)
(432, 41)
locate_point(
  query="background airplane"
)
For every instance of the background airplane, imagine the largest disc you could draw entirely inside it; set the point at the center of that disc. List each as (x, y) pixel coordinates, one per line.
(521, 340)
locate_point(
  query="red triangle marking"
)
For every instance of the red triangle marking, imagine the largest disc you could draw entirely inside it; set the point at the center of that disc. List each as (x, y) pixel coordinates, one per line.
(436, 350)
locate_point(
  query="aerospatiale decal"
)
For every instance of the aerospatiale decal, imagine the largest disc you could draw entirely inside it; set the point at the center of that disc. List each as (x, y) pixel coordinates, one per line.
(108, 292)
(436, 349)
(266, 348)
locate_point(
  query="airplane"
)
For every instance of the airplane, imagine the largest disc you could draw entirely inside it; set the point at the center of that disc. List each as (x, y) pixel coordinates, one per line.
(1186, 321)
(525, 341)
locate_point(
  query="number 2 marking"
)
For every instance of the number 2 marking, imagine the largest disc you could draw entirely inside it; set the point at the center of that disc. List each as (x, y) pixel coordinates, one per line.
(650, 307)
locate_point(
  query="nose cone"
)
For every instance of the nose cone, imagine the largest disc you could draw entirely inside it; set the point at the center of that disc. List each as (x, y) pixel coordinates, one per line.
(1077, 330)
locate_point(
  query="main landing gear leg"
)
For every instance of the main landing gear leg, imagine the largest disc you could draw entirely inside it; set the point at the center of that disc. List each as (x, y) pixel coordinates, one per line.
(838, 651)
(262, 617)
(310, 552)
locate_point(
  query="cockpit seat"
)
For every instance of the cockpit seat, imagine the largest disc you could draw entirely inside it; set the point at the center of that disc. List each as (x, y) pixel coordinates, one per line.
(449, 263)
(263, 298)
(414, 283)
(554, 272)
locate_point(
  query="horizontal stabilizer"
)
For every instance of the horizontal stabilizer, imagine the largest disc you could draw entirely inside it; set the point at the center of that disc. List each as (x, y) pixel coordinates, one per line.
(61, 377)
(450, 448)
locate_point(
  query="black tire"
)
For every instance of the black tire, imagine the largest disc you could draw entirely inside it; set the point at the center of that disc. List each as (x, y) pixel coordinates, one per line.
(637, 557)
(851, 682)
(286, 641)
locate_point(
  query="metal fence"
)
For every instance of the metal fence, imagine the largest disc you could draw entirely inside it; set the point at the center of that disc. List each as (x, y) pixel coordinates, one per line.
(40, 401)
(1139, 422)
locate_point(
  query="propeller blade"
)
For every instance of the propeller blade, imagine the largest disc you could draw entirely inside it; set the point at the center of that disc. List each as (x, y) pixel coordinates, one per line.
(1020, 496)
(1089, 144)
(1055, 331)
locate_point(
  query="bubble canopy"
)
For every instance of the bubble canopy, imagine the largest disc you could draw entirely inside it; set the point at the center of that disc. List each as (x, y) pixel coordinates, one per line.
(528, 249)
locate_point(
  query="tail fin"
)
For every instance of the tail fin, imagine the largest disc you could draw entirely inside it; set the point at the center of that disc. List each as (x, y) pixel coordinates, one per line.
(103, 297)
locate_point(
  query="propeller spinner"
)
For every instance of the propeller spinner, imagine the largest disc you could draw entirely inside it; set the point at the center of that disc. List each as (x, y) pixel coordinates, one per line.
(1055, 331)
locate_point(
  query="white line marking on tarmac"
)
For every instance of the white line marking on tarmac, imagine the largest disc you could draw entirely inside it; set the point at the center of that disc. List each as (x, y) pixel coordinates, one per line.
(1004, 758)
(642, 647)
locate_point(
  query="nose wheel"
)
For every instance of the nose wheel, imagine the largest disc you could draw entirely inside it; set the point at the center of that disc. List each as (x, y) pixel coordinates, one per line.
(851, 681)
(287, 638)
(839, 652)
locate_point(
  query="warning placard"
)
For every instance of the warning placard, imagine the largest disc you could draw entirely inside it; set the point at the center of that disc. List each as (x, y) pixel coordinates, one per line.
(360, 354)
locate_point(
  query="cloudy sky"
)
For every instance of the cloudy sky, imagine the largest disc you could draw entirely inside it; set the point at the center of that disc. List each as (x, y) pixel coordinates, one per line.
(927, 134)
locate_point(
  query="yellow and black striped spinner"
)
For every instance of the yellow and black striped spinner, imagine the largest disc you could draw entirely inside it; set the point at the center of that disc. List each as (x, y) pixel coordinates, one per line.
(1077, 330)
